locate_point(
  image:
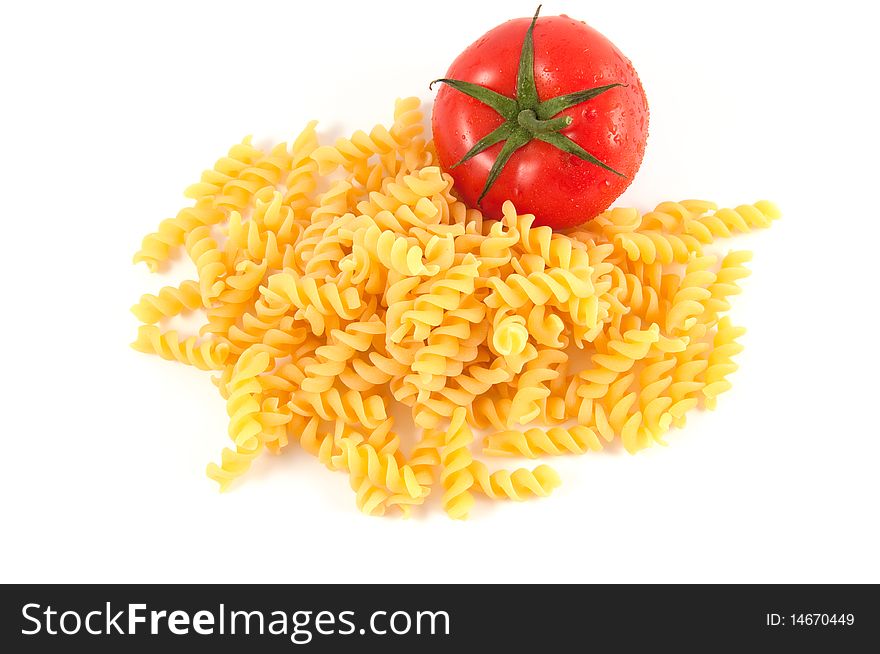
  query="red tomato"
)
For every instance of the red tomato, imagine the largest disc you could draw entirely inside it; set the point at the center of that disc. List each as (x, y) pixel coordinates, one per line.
(560, 188)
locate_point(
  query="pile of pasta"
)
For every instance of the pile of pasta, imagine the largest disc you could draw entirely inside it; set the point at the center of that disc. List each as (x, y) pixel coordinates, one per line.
(338, 279)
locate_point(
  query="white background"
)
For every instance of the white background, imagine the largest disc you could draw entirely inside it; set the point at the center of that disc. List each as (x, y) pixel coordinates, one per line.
(110, 110)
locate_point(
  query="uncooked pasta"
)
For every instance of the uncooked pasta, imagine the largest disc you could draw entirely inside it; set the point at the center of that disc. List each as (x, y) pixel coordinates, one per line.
(339, 279)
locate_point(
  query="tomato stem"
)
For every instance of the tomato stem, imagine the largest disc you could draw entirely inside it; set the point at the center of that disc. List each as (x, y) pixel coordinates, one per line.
(527, 119)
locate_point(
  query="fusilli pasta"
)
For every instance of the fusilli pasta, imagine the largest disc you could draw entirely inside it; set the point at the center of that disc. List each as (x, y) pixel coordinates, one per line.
(329, 299)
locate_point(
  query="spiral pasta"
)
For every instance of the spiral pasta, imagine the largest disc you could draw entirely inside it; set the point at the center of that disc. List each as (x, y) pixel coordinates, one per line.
(457, 476)
(516, 485)
(205, 354)
(170, 301)
(328, 299)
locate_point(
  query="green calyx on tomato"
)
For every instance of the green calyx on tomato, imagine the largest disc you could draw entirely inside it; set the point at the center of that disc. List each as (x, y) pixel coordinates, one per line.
(526, 117)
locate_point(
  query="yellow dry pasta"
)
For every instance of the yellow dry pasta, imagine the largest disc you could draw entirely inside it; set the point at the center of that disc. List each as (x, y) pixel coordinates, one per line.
(169, 302)
(340, 278)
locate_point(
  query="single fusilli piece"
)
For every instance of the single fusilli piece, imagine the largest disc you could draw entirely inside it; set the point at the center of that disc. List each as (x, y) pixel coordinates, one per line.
(456, 476)
(170, 301)
(517, 485)
(205, 353)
